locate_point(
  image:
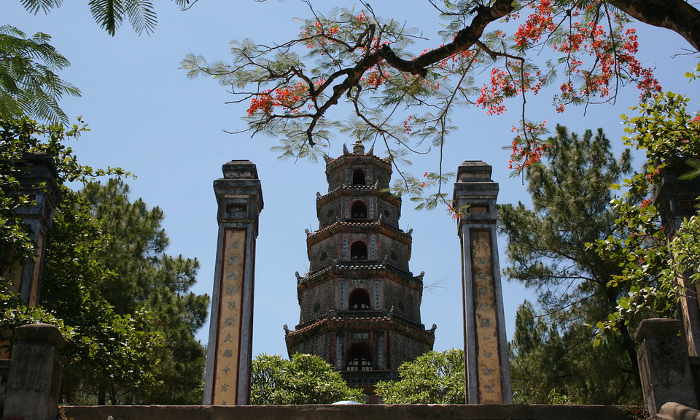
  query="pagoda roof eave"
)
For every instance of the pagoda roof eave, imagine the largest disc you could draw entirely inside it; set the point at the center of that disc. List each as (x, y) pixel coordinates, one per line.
(350, 269)
(390, 231)
(372, 189)
(333, 323)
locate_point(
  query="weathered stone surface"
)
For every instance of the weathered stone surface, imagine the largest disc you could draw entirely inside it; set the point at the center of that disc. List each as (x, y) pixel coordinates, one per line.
(4, 373)
(663, 364)
(35, 373)
(675, 411)
(486, 350)
(229, 354)
(353, 412)
(676, 200)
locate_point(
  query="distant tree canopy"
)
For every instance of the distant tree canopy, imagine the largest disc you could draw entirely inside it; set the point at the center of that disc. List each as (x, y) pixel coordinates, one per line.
(432, 378)
(552, 365)
(304, 379)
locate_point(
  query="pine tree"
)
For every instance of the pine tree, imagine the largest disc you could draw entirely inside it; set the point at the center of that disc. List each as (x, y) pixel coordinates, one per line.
(548, 249)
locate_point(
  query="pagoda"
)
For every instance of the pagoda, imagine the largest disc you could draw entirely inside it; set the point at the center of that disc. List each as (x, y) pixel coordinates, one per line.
(360, 304)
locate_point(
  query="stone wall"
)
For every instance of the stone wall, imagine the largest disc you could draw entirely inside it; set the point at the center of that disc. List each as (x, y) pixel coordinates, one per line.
(316, 301)
(4, 374)
(319, 345)
(395, 252)
(350, 412)
(405, 301)
(323, 253)
(403, 349)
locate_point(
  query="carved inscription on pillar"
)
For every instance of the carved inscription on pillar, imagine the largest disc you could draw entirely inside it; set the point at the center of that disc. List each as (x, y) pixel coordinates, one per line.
(341, 295)
(226, 368)
(377, 295)
(345, 247)
(338, 352)
(488, 360)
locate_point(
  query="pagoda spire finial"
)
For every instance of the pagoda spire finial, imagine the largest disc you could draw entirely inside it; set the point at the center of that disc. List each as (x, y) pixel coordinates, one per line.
(358, 148)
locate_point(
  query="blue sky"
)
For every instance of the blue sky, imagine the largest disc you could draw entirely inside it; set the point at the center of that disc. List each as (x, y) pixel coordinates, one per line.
(148, 118)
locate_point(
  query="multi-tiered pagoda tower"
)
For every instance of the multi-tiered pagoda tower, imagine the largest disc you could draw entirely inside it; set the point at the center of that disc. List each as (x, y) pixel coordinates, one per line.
(360, 304)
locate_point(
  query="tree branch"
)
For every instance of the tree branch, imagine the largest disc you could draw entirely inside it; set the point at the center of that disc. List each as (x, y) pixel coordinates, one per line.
(676, 15)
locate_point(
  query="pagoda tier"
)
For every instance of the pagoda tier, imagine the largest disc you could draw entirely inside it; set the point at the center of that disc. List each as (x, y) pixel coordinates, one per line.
(360, 303)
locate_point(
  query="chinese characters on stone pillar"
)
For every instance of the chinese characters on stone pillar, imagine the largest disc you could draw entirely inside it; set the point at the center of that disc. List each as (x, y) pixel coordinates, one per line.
(230, 303)
(486, 353)
(229, 353)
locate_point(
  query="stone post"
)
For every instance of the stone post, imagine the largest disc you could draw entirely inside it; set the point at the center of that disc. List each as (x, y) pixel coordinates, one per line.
(676, 200)
(35, 373)
(485, 345)
(37, 178)
(663, 364)
(229, 354)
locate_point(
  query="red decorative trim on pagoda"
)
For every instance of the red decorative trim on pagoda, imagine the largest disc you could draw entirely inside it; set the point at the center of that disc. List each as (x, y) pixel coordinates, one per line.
(387, 230)
(345, 269)
(372, 189)
(331, 323)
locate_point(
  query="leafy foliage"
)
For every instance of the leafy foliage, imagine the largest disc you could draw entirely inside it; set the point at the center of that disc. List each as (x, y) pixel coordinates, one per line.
(670, 134)
(304, 379)
(28, 82)
(110, 14)
(547, 251)
(107, 347)
(22, 136)
(432, 378)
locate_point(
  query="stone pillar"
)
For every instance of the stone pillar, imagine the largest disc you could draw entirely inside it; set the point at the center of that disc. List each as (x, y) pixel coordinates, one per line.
(485, 345)
(663, 364)
(35, 373)
(676, 199)
(37, 178)
(229, 354)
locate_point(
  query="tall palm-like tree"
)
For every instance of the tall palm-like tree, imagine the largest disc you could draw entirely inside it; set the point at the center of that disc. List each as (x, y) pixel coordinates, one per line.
(28, 84)
(110, 14)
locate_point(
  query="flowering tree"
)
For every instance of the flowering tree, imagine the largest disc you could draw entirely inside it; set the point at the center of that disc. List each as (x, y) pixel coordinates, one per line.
(402, 98)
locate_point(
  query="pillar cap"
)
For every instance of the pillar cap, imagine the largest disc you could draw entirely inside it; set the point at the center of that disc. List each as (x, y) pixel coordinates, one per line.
(474, 170)
(40, 333)
(657, 328)
(240, 169)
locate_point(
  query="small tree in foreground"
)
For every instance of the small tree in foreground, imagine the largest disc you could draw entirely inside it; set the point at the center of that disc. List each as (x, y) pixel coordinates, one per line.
(432, 378)
(305, 379)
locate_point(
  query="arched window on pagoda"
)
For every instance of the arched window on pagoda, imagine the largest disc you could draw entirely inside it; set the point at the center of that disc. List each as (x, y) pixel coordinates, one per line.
(358, 210)
(359, 299)
(358, 177)
(358, 251)
(359, 358)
